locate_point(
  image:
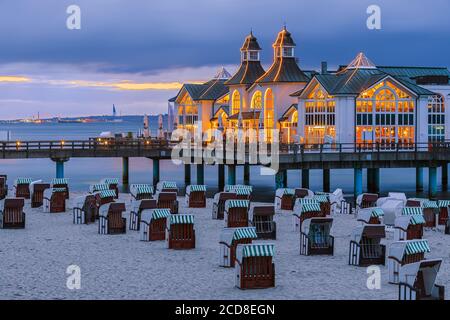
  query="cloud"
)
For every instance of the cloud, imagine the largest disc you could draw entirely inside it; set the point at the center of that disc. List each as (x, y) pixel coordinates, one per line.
(122, 85)
(14, 79)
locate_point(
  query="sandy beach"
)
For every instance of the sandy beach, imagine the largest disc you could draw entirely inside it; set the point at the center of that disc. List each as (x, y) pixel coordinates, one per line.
(33, 263)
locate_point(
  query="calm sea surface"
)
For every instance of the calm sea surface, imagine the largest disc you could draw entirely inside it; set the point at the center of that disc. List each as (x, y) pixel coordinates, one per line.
(83, 172)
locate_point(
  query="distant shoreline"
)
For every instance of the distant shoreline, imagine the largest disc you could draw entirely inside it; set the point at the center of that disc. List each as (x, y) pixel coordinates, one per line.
(83, 119)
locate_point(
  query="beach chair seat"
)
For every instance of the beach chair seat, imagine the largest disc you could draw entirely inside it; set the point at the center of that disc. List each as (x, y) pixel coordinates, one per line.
(417, 281)
(230, 238)
(137, 207)
(111, 220)
(22, 188)
(443, 211)
(141, 191)
(61, 183)
(113, 184)
(180, 231)
(315, 238)
(236, 213)
(366, 200)
(365, 247)
(37, 189)
(104, 197)
(410, 224)
(372, 215)
(11, 213)
(196, 196)
(3, 186)
(219, 200)
(254, 268)
(405, 252)
(153, 224)
(304, 208)
(261, 217)
(167, 186)
(168, 200)
(85, 209)
(54, 200)
(285, 199)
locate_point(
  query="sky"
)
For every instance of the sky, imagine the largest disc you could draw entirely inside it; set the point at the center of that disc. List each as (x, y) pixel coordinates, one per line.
(137, 53)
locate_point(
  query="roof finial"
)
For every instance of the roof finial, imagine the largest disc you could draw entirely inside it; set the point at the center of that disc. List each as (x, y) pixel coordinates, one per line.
(251, 31)
(284, 25)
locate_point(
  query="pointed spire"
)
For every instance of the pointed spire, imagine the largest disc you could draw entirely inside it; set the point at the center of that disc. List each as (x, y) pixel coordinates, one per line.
(222, 74)
(361, 62)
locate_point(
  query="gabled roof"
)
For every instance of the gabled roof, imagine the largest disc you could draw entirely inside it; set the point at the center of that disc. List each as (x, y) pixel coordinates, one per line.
(414, 72)
(285, 115)
(215, 89)
(283, 70)
(248, 73)
(225, 109)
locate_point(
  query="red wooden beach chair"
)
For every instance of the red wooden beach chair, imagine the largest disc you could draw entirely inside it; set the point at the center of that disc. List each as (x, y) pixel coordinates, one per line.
(37, 194)
(3, 186)
(111, 220)
(168, 200)
(12, 215)
(180, 231)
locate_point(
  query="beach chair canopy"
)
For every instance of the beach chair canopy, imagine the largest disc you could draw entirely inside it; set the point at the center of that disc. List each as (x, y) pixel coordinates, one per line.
(268, 210)
(310, 224)
(429, 204)
(239, 189)
(411, 211)
(98, 187)
(254, 250)
(195, 188)
(136, 189)
(399, 249)
(403, 222)
(166, 185)
(23, 181)
(109, 181)
(107, 193)
(321, 198)
(181, 219)
(284, 191)
(234, 203)
(154, 214)
(366, 213)
(374, 231)
(228, 235)
(397, 195)
(104, 209)
(430, 268)
(59, 181)
(310, 207)
(443, 203)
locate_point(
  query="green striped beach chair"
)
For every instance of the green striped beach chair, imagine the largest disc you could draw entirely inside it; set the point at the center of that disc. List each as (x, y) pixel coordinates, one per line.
(371, 215)
(410, 224)
(196, 196)
(236, 213)
(254, 268)
(304, 208)
(180, 231)
(141, 191)
(315, 238)
(229, 239)
(22, 187)
(61, 183)
(153, 224)
(113, 184)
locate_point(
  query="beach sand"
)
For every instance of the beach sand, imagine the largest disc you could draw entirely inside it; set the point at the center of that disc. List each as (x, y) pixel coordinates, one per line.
(33, 263)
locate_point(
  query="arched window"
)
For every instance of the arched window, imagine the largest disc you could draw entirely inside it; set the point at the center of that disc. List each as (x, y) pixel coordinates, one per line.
(257, 100)
(269, 114)
(236, 102)
(436, 118)
(385, 115)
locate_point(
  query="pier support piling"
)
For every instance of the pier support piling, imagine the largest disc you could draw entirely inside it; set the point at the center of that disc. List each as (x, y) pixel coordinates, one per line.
(357, 181)
(373, 180)
(419, 179)
(231, 174)
(432, 182)
(305, 178)
(155, 172)
(187, 174)
(280, 179)
(200, 173)
(221, 176)
(246, 174)
(125, 170)
(59, 169)
(326, 180)
(445, 176)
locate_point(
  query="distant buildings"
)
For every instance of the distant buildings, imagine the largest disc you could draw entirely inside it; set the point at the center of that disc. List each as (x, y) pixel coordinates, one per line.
(358, 103)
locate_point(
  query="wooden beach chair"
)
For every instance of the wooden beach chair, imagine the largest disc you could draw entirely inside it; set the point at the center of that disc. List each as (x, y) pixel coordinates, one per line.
(104, 197)
(167, 186)
(236, 213)
(443, 211)
(366, 200)
(261, 217)
(94, 188)
(22, 188)
(324, 202)
(430, 213)
(196, 196)
(85, 210)
(54, 200)
(180, 231)
(254, 268)
(3, 186)
(405, 252)
(229, 239)
(370, 215)
(315, 238)
(11, 213)
(219, 203)
(285, 199)
(59, 183)
(111, 220)
(137, 207)
(113, 184)
(37, 189)
(301, 193)
(305, 208)
(153, 224)
(365, 247)
(410, 224)
(243, 192)
(417, 281)
(141, 191)
(168, 200)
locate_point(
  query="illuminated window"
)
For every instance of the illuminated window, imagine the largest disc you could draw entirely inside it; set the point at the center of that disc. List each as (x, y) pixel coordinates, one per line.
(385, 115)
(257, 100)
(436, 118)
(236, 102)
(269, 114)
(320, 117)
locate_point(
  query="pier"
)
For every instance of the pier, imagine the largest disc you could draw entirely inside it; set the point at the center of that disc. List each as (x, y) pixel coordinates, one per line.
(428, 156)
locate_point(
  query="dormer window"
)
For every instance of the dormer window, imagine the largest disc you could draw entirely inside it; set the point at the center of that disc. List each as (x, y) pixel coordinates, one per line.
(244, 56)
(253, 55)
(288, 52)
